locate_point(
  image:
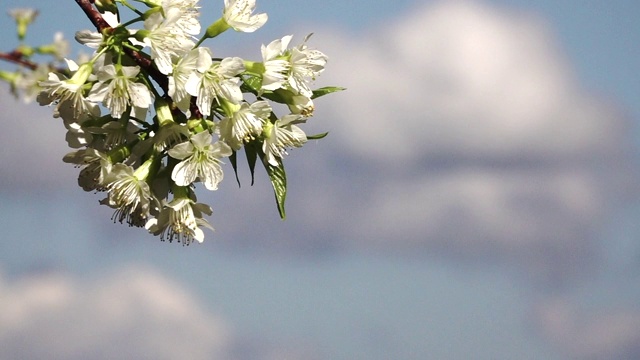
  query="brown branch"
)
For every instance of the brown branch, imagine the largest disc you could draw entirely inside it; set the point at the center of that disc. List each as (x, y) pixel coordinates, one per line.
(17, 58)
(146, 63)
(142, 61)
(92, 13)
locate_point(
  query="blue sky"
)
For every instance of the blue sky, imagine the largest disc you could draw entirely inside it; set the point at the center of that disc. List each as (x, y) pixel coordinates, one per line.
(476, 198)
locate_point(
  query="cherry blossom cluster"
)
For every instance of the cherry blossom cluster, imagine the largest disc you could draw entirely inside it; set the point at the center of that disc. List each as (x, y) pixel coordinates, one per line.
(151, 112)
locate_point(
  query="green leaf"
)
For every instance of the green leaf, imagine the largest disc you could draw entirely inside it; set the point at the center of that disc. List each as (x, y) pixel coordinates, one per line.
(317, 136)
(326, 90)
(251, 150)
(279, 181)
(251, 84)
(234, 163)
(274, 96)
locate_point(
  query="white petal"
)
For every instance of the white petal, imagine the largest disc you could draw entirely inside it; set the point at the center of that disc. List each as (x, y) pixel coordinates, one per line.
(90, 38)
(73, 66)
(220, 149)
(275, 48)
(184, 173)
(205, 99)
(231, 90)
(230, 67)
(192, 86)
(204, 60)
(163, 62)
(212, 176)
(182, 150)
(202, 139)
(198, 235)
(98, 92)
(130, 71)
(140, 95)
(111, 18)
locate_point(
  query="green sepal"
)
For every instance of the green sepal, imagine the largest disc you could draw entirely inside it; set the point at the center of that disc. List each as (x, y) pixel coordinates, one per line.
(326, 90)
(317, 136)
(218, 27)
(279, 182)
(234, 163)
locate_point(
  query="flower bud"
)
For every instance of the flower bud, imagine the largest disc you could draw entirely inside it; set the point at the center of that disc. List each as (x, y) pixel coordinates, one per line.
(23, 18)
(106, 6)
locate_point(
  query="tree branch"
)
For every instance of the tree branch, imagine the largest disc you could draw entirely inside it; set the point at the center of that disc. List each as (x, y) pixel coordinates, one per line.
(142, 61)
(102, 26)
(16, 58)
(92, 13)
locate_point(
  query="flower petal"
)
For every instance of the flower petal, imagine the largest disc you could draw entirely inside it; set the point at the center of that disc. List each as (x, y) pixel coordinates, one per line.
(184, 173)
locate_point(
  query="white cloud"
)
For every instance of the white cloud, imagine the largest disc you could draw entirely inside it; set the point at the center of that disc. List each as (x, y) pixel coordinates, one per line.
(462, 78)
(610, 334)
(464, 133)
(132, 314)
(33, 145)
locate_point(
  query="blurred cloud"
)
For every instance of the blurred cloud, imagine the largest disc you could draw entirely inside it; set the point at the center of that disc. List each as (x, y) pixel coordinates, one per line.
(610, 334)
(134, 313)
(33, 145)
(464, 79)
(464, 133)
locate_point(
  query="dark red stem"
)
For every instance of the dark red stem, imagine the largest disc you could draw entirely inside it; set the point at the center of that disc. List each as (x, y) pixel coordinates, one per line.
(16, 58)
(101, 25)
(93, 15)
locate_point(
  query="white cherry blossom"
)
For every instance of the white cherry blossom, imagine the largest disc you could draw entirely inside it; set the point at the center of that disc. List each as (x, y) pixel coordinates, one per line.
(281, 135)
(276, 67)
(200, 159)
(239, 15)
(117, 89)
(58, 89)
(216, 80)
(291, 68)
(28, 83)
(189, 12)
(180, 220)
(95, 166)
(23, 17)
(183, 70)
(165, 38)
(245, 124)
(306, 64)
(129, 194)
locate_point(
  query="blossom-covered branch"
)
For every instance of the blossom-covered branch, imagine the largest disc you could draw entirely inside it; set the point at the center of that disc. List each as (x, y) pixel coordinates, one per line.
(152, 113)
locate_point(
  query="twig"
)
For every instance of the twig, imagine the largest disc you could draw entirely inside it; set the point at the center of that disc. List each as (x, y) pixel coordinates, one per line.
(17, 58)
